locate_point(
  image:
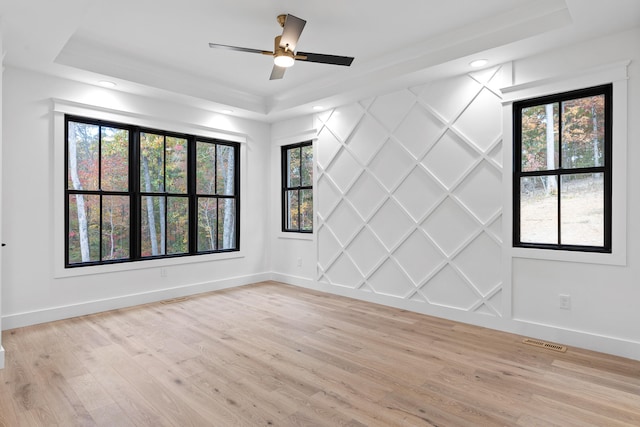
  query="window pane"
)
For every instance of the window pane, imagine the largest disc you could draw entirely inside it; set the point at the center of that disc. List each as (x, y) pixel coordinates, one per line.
(540, 137)
(538, 210)
(152, 226)
(177, 225)
(227, 224)
(205, 168)
(82, 159)
(293, 167)
(176, 170)
(292, 206)
(115, 227)
(306, 169)
(151, 163)
(306, 210)
(582, 202)
(115, 159)
(225, 166)
(583, 132)
(84, 228)
(207, 222)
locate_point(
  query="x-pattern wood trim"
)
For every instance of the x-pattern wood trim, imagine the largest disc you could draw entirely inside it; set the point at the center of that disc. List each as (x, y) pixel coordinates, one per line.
(481, 157)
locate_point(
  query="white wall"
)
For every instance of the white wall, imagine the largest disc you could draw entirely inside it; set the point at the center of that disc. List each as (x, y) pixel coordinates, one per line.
(1, 234)
(410, 204)
(33, 290)
(604, 311)
(293, 256)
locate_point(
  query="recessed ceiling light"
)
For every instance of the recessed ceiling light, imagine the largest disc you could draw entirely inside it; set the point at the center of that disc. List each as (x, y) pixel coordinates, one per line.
(478, 63)
(227, 111)
(107, 83)
(318, 107)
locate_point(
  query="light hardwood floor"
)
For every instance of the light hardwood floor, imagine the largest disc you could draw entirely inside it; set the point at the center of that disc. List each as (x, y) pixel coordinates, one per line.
(272, 354)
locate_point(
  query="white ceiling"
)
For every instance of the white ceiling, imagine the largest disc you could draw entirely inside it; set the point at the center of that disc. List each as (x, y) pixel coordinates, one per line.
(160, 47)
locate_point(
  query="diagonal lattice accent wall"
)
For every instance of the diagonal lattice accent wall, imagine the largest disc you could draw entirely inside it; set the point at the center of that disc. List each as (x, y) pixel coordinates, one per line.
(409, 194)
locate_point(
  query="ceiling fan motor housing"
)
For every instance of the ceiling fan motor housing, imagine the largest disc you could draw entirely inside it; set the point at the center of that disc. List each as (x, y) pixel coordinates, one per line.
(283, 57)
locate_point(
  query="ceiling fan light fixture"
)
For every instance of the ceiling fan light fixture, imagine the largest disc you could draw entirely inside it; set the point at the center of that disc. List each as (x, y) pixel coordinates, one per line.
(284, 48)
(284, 59)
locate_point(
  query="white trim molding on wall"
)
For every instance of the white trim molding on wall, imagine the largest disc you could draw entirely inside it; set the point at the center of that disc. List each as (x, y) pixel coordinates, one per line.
(51, 314)
(410, 204)
(577, 338)
(616, 74)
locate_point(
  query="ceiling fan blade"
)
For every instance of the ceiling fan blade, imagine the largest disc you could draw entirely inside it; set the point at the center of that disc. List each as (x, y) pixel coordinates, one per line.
(325, 59)
(239, 49)
(277, 73)
(293, 27)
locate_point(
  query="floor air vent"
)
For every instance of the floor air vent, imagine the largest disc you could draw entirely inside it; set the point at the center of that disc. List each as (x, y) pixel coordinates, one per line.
(542, 344)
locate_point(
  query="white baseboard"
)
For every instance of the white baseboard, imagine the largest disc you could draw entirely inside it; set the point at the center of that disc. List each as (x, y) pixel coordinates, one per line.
(302, 282)
(572, 338)
(581, 339)
(51, 314)
(390, 301)
(1, 357)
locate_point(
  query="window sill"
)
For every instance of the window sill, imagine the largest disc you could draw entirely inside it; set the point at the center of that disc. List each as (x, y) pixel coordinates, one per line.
(295, 236)
(569, 256)
(142, 265)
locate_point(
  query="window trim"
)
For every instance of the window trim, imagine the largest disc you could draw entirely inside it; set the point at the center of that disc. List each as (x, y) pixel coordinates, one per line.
(615, 73)
(605, 90)
(60, 107)
(136, 194)
(284, 188)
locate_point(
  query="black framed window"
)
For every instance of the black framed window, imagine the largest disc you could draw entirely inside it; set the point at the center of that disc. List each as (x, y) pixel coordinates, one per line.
(562, 171)
(133, 193)
(216, 195)
(297, 187)
(164, 196)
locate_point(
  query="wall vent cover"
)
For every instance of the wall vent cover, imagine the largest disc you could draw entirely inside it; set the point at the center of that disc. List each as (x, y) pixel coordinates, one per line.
(542, 344)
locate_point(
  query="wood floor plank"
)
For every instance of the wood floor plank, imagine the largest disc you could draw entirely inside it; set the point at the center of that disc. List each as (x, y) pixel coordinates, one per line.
(8, 411)
(599, 376)
(40, 416)
(558, 412)
(272, 354)
(132, 403)
(90, 392)
(111, 414)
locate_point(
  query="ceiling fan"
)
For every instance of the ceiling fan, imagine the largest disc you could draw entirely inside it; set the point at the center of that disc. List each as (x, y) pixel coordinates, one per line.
(284, 52)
